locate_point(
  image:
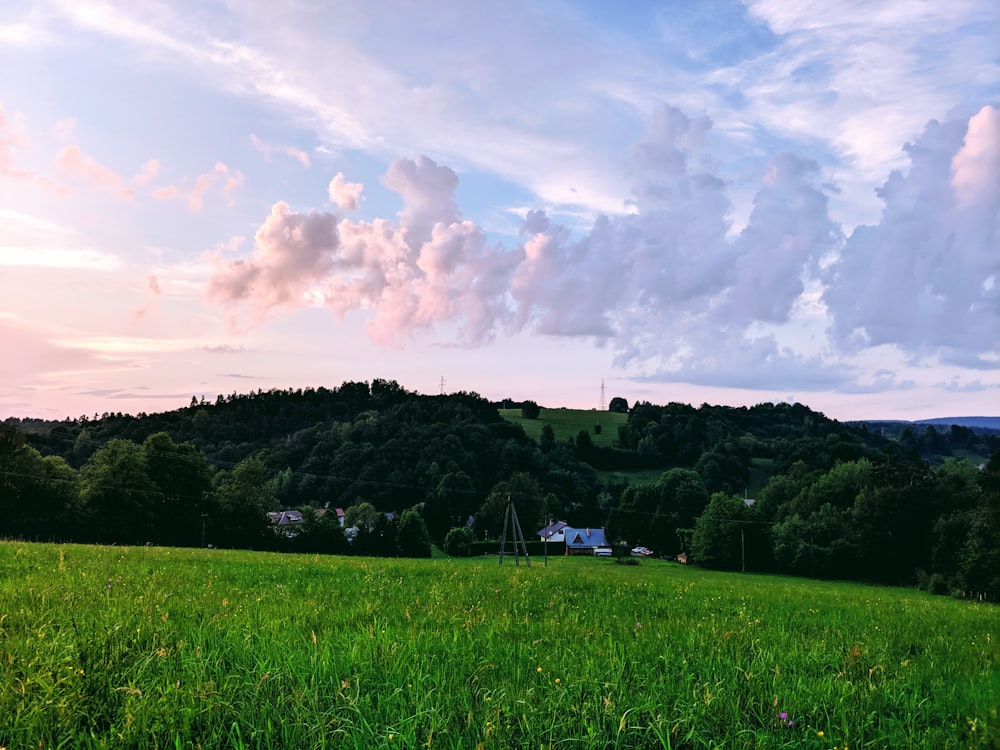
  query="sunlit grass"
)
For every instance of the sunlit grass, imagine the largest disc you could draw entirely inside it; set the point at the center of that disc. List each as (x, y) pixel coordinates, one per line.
(148, 647)
(567, 423)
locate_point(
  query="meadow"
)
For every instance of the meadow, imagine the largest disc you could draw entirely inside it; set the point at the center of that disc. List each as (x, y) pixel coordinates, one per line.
(145, 647)
(568, 423)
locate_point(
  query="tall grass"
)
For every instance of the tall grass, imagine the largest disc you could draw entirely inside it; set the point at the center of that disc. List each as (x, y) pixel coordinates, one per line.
(148, 647)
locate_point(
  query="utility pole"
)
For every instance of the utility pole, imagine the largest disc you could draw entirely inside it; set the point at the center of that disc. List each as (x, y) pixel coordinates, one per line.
(516, 535)
(743, 552)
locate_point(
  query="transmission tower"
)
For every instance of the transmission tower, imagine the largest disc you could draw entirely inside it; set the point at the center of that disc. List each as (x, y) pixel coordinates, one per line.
(517, 537)
(442, 385)
(604, 404)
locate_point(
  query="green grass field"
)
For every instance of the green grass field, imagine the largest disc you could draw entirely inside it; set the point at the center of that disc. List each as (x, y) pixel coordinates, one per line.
(114, 647)
(567, 423)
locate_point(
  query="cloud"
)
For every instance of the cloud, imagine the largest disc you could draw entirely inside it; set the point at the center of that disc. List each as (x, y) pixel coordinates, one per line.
(76, 163)
(12, 136)
(220, 179)
(291, 251)
(57, 257)
(925, 278)
(670, 288)
(147, 173)
(291, 151)
(64, 129)
(343, 194)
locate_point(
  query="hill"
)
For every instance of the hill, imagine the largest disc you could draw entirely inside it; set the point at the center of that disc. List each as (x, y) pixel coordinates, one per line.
(831, 499)
(991, 424)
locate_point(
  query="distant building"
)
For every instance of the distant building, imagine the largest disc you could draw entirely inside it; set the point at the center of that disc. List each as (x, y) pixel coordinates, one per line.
(583, 541)
(553, 532)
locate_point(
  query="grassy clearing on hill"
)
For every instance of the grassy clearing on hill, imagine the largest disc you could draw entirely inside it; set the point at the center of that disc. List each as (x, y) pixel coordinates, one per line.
(567, 423)
(110, 647)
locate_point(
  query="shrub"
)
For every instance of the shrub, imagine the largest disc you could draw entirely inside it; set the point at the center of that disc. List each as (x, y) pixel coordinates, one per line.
(458, 542)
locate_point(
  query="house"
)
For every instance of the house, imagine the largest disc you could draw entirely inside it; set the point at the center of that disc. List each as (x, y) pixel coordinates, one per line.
(553, 532)
(285, 521)
(583, 541)
(285, 517)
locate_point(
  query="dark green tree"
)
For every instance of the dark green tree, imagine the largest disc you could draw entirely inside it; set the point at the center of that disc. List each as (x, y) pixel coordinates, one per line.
(412, 538)
(618, 405)
(243, 498)
(449, 504)
(361, 516)
(118, 495)
(547, 440)
(458, 542)
(719, 539)
(184, 479)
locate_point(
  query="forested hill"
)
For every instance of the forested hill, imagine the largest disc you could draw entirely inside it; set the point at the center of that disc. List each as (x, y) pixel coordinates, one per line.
(326, 443)
(832, 499)
(304, 430)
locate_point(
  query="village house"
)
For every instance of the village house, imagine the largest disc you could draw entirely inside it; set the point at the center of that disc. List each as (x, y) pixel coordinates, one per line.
(584, 541)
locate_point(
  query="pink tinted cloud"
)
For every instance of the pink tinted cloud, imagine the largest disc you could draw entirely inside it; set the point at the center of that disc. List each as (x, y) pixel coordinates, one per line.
(76, 163)
(147, 173)
(165, 193)
(220, 179)
(64, 129)
(343, 194)
(12, 136)
(430, 266)
(671, 285)
(291, 151)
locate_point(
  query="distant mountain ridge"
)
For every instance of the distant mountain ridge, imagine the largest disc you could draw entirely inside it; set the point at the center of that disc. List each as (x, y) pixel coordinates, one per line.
(989, 425)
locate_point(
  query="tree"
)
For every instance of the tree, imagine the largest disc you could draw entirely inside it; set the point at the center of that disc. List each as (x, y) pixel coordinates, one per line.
(618, 405)
(243, 497)
(819, 545)
(39, 497)
(530, 410)
(412, 539)
(719, 538)
(981, 557)
(458, 542)
(547, 440)
(118, 494)
(361, 516)
(451, 502)
(184, 480)
(321, 533)
(525, 492)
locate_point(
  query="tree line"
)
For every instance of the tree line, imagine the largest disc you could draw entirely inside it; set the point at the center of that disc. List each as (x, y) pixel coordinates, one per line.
(828, 499)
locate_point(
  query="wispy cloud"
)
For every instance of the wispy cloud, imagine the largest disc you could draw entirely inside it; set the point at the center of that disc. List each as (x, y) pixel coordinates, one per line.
(57, 257)
(290, 151)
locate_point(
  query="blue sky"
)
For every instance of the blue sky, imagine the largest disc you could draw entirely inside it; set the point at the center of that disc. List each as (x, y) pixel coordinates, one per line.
(715, 202)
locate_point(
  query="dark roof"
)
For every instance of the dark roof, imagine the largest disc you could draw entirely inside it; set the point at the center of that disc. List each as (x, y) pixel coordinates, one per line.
(284, 517)
(552, 528)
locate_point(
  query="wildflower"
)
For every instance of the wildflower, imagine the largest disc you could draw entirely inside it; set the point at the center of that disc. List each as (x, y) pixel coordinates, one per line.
(539, 669)
(557, 680)
(819, 733)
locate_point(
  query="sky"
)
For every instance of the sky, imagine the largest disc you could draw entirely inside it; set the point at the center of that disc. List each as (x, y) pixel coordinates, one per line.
(705, 202)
